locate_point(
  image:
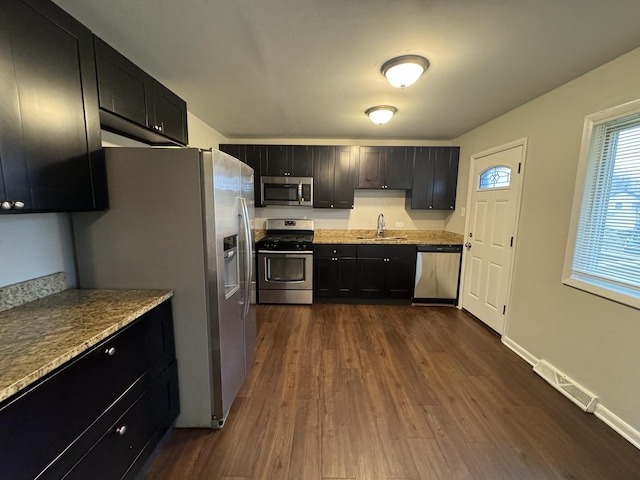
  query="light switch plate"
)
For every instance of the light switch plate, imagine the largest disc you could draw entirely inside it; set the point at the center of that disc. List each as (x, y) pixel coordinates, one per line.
(399, 224)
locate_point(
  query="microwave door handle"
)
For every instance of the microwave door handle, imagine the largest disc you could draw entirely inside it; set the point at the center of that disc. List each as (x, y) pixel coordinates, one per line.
(300, 200)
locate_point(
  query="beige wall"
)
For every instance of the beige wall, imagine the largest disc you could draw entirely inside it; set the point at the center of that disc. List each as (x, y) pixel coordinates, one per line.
(593, 340)
(202, 135)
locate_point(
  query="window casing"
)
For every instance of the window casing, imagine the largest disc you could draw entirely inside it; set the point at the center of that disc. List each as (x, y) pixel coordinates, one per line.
(603, 248)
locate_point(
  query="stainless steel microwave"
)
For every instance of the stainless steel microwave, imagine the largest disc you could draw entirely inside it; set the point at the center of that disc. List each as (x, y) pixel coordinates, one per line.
(287, 191)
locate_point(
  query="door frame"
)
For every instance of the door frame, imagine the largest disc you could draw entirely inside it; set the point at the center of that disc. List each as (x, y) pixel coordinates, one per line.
(470, 188)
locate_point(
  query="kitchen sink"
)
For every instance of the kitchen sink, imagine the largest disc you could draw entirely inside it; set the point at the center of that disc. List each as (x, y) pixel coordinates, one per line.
(379, 239)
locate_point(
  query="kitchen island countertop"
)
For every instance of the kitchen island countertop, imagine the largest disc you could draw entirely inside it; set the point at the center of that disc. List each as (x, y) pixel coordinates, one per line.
(39, 336)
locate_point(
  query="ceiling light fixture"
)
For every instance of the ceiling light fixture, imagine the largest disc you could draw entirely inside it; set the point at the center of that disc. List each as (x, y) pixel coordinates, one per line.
(381, 114)
(404, 71)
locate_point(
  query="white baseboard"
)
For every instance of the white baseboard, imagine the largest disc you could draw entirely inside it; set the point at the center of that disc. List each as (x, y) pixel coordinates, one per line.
(619, 425)
(603, 413)
(520, 351)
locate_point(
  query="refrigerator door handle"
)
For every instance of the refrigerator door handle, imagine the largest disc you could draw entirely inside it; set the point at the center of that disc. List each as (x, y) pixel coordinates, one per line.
(248, 255)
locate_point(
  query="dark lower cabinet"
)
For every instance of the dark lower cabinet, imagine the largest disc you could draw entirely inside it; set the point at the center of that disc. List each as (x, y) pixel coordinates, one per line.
(50, 151)
(386, 271)
(101, 414)
(364, 271)
(334, 271)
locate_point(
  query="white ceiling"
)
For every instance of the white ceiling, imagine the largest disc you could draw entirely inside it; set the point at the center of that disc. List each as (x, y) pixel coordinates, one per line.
(310, 68)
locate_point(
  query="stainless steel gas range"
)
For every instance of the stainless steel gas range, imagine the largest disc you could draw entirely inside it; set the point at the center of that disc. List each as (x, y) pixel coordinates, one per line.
(285, 262)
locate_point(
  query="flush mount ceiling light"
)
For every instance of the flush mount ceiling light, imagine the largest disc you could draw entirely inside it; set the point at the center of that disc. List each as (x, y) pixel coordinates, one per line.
(404, 71)
(381, 114)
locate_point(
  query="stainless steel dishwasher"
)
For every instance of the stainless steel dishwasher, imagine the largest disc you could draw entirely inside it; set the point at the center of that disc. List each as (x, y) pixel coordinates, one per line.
(437, 274)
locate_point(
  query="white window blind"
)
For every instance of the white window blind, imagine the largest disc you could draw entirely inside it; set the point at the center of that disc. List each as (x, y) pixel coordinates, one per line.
(606, 252)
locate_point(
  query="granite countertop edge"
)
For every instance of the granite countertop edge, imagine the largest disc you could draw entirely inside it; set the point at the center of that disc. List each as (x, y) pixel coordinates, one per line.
(121, 317)
(390, 237)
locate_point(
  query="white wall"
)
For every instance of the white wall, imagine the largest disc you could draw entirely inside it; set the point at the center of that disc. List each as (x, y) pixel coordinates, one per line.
(34, 245)
(591, 339)
(364, 215)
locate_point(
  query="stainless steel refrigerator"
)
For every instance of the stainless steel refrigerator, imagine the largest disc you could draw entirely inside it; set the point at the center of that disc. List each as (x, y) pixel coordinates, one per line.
(182, 219)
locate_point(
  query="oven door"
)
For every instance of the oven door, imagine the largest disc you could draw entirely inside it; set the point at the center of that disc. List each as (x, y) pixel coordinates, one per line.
(285, 270)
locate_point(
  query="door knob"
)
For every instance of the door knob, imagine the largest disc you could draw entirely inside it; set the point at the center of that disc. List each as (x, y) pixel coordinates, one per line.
(468, 245)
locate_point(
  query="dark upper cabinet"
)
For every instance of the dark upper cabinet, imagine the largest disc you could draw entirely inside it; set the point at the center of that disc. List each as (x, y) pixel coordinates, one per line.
(287, 160)
(50, 152)
(167, 113)
(435, 178)
(386, 167)
(398, 169)
(251, 155)
(131, 95)
(372, 165)
(334, 172)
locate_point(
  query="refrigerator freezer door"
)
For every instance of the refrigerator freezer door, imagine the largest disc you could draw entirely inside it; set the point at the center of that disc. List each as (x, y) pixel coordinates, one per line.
(221, 177)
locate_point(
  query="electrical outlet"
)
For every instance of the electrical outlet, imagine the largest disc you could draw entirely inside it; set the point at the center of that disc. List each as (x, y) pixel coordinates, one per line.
(463, 211)
(399, 224)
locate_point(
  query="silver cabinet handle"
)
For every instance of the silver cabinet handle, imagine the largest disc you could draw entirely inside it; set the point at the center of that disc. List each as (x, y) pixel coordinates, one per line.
(121, 430)
(111, 351)
(18, 204)
(5, 205)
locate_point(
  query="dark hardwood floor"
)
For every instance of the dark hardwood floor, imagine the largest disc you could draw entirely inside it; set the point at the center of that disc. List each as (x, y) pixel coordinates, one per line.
(393, 392)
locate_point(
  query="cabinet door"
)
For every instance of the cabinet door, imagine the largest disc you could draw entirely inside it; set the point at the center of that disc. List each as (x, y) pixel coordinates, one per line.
(371, 264)
(253, 156)
(400, 271)
(10, 131)
(302, 161)
(423, 170)
(52, 72)
(277, 160)
(323, 176)
(167, 113)
(324, 278)
(345, 176)
(372, 163)
(398, 172)
(121, 84)
(445, 178)
(345, 279)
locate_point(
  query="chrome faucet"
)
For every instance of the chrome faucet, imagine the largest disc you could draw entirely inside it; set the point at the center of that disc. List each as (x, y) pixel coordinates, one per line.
(380, 229)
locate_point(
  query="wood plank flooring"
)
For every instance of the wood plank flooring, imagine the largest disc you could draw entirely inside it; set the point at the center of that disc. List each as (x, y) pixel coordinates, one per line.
(393, 392)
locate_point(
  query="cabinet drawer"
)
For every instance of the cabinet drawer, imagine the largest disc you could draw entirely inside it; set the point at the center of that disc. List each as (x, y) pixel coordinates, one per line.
(338, 251)
(150, 416)
(60, 408)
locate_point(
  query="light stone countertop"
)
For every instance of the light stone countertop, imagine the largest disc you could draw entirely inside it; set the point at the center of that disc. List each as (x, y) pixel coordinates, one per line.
(390, 237)
(39, 336)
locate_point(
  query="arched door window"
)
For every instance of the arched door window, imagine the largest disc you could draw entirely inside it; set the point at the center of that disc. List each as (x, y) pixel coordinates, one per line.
(495, 177)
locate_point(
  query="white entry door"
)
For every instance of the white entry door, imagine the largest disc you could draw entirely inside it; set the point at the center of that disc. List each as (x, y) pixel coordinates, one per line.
(495, 185)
